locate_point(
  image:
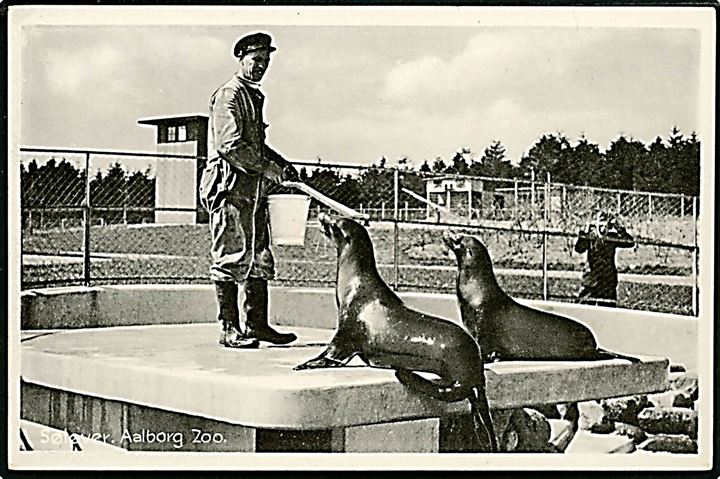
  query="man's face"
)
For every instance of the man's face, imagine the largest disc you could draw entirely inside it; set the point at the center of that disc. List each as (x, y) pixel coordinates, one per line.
(254, 64)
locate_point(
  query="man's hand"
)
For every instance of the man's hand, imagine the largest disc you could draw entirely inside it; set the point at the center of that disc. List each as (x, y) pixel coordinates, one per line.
(289, 173)
(278, 174)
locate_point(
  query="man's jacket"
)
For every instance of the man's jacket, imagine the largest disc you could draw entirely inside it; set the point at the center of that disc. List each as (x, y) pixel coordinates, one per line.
(236, 145)
(233, 186)
(601, 273)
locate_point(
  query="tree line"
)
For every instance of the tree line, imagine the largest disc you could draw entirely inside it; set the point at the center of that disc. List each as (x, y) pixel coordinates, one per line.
(670, 165)
(662, 166)
(59, 183)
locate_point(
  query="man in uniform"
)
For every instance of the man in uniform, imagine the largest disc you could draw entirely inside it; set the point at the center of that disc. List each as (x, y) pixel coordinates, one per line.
(233, 189)
(600, 240)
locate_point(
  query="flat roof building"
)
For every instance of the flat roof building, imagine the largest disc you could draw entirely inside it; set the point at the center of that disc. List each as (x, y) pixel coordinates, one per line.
(177, 179)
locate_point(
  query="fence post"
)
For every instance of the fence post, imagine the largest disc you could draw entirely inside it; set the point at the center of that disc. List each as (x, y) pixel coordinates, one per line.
(396, 264)
(695, 258)
(86, 224)
(546, 207)
(428, 210)
(470, 202)
(682, 206)
(532, 189)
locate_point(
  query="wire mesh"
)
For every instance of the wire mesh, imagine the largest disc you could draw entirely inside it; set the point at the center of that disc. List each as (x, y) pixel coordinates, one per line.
(146, 225)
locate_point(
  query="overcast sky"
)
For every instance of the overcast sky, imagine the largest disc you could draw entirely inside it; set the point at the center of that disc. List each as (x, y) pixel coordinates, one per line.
(356, 93)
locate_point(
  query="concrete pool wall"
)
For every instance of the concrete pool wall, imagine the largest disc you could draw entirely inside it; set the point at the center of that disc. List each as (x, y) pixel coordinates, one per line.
(622, 330)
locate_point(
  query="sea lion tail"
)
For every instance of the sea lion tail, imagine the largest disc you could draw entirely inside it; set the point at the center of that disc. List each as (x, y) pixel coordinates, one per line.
(480, 410)
(605, 354)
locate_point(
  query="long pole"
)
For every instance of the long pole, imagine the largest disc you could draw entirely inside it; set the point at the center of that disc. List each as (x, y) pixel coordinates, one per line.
(695, 259)
(396, 232)
(544, 242)
(86, 224)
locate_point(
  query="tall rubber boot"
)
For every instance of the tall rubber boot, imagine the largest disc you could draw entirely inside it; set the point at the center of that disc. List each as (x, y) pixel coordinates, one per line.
(226, 293)
(255, 307)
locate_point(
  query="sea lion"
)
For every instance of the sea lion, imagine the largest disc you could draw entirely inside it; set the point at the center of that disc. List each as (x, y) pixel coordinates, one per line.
(374, 324)
(506, 329)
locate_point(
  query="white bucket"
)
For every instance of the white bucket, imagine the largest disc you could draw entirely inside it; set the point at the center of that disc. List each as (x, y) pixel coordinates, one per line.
(288, 218)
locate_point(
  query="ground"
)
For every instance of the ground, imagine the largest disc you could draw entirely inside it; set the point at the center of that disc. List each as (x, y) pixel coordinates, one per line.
(652, 278)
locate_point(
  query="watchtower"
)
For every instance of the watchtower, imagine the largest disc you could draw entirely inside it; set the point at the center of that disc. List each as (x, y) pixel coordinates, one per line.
(177, 179)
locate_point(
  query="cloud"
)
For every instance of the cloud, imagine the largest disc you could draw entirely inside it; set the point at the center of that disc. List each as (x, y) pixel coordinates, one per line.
(68, 71)
(357, 94)
(514, 84)
(89, 86)
(111, 64)
(491, 62)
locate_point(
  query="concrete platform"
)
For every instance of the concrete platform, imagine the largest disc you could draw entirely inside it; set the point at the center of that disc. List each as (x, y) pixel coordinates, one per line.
(180, 369)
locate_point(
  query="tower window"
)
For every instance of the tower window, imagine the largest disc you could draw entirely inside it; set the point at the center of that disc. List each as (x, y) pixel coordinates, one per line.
(171, 134)
(182, 133)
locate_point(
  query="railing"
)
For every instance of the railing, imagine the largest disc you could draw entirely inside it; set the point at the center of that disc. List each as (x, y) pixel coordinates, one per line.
(116, 216)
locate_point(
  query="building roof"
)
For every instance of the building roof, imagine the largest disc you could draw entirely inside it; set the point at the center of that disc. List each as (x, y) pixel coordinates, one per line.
(451, 177)
(169, 119)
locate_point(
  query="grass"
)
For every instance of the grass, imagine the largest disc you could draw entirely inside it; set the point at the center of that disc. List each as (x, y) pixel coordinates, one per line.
(314, 264)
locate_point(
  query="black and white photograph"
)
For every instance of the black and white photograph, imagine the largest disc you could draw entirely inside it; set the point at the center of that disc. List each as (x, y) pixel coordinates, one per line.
(361, 237)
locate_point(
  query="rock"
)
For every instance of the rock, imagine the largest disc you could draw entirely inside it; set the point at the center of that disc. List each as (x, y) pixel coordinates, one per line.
(679, 444)
(669, 420)
(562, 433)
(684, 401)
(588, 443)
(569, 412)
(527, 431)
(671, 398)
(591, 413)
(686, 383)
(605, 427)
(633, 432)
(550, 411)
(625, 409)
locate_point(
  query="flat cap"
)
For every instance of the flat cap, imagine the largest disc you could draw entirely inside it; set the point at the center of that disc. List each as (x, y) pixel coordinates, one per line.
(252, 42)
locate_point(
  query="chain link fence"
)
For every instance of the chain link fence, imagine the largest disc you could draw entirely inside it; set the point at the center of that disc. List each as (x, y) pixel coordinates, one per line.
(93, 217)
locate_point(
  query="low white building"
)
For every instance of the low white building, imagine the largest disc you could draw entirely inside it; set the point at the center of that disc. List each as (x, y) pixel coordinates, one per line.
(465, 197)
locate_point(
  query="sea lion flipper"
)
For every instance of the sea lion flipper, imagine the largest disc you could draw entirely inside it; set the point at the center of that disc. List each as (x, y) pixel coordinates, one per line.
(442, 392)
(329, 358)
(480, 410)
(451, 393)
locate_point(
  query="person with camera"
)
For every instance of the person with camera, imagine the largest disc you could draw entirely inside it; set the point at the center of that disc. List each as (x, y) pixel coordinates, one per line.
(600, 239)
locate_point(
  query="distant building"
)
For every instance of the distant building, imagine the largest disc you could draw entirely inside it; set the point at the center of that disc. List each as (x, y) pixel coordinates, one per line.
(177, 179)
(465, 197)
